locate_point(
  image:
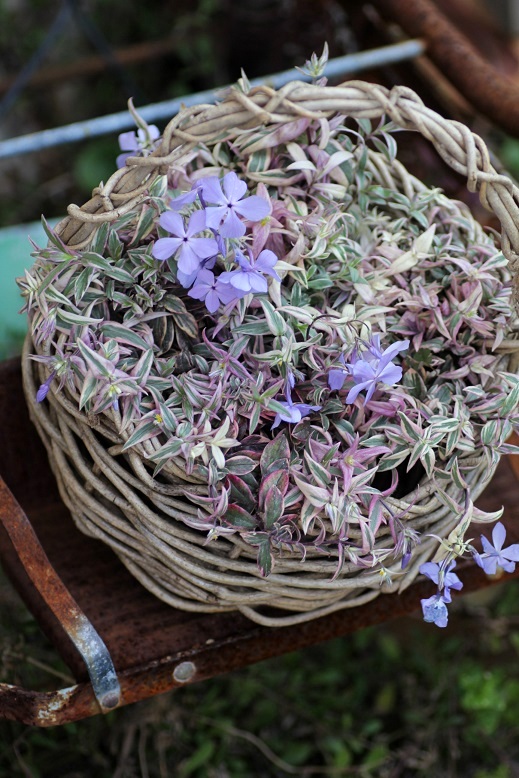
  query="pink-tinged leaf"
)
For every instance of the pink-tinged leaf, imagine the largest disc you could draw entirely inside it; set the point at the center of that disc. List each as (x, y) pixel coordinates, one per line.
(261, 541)
(240, 465)
(238, 517)
(319, 473)
(308, 514)
(273, 506)
(277, 449)
(240, 491)
(316, 495)
(279, 479)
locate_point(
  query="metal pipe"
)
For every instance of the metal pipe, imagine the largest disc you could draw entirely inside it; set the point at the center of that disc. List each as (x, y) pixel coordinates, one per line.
(115, 123)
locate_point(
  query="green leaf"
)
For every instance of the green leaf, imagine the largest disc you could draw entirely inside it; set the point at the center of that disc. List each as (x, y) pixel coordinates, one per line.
(262, 541)
(123, 334)
(276, 323)
(392, 461)
(75, 318)
(511, 401)
(170, 449)
(240, 465)
(91, 259)
(277, 450)
(145, 225)
(319, 473)
(88, 391)
(316, 495)
(141, 370)
(279, 479)
(489, 433)
(240, 492)
(274, 506)
(83, 282)
(146, 431)
(253, 328)
(99, 243)
(115, 246)
(95, 361)
(236, 516)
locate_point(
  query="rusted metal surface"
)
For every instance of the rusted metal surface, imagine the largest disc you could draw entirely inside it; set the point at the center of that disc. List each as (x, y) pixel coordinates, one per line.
(81, 632)
(156, 648)
(492, 93)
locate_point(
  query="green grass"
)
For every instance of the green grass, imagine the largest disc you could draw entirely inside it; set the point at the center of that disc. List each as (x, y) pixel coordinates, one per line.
(406, 699)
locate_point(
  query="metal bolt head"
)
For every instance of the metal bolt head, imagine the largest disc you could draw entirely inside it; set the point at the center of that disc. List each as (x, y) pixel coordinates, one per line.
(184, 672)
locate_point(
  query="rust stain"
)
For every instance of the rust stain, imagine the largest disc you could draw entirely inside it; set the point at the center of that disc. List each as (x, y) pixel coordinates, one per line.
(81, 632)
(49, 714)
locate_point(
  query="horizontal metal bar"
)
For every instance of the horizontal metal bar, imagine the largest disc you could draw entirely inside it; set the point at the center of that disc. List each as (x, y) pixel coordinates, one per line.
(115, 123)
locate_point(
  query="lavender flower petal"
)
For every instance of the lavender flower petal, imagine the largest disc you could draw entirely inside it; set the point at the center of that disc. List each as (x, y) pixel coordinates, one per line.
(253, 208)
(164, 248)
(233, 187)
(336, 378)
(231, 226)
(435, 611)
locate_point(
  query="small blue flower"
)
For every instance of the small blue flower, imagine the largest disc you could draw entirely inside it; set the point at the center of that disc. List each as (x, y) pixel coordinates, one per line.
(374, 367)
(132, 143)
(294, 412)
(494, 555)
(442, 577)
(189, 249)
(43, 391)
(228, 202)
(435, 610)
(212, 291)
(249, 276)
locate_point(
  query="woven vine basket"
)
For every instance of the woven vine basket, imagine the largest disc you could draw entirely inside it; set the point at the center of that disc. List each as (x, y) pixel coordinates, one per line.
(155, 518)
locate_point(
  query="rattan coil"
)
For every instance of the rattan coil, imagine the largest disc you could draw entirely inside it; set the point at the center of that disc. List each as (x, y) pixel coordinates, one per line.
(112, 495)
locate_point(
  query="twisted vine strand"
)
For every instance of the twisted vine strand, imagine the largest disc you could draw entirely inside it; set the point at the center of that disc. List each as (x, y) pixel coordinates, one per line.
(461, 149)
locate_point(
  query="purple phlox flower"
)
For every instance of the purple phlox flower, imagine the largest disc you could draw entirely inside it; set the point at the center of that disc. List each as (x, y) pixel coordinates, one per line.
(294, 412)
(186, 198)
(443, 577)
(249, 277)
(190, 249)
(338, 375)
(132, 143)
(229, 203)
(375, 367)
(43, 391)
(188, 279)
(435, 610)
(495, 555)
(290, 382)
(211, 290)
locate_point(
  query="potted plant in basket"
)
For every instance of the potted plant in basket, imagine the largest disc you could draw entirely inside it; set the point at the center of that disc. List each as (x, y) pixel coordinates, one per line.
(272, 369)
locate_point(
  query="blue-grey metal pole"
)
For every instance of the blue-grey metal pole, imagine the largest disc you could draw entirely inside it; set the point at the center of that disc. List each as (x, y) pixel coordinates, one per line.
(116, 122)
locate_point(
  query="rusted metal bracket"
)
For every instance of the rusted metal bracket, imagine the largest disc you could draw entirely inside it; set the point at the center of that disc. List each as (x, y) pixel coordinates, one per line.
(89, 644)
(492, 93)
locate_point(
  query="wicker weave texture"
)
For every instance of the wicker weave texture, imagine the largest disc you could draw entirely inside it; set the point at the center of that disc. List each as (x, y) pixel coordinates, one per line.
(112, 495)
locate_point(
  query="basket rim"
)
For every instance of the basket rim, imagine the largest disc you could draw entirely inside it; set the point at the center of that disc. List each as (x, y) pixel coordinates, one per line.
(464, 151)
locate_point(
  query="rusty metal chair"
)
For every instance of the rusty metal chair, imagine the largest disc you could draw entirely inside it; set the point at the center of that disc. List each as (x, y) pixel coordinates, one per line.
(120, 643)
